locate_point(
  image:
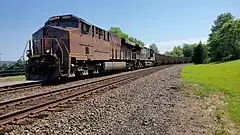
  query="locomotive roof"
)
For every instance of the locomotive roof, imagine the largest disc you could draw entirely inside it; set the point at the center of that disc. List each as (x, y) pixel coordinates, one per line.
(129, 42)
(71, 16)
(66, 16)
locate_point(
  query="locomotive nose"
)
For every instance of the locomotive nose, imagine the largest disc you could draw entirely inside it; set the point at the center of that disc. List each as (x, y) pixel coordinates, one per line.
(43, 67)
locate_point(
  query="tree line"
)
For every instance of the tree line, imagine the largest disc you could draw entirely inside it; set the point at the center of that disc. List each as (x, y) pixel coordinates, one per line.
(223, 43)
(198, 52)
(117, 31)
(12, 65)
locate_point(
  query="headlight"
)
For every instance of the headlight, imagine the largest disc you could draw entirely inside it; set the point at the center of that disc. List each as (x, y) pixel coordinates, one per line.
(28, 53)
(47, 51)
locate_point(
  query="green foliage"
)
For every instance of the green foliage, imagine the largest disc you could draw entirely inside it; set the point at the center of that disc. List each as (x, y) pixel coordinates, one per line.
(154, 48)
(199, 54)
(187, 50)
(167, 53)
(229, 40)
(117, 31)
(176, 52)
(19, 64)
(220, 21)
(223, 77)
(223, 41)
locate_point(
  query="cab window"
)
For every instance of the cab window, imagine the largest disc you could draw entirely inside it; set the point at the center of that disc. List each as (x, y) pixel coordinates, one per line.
(85, 28)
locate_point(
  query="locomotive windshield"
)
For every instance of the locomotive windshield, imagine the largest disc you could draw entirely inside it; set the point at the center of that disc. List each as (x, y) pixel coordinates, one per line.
(63, 21)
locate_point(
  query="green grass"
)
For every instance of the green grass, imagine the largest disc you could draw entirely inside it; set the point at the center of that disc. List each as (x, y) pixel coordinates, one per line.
(223, 77)
(12, 78)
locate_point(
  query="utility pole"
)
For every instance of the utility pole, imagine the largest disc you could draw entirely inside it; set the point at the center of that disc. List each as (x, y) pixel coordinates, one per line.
(1, 55)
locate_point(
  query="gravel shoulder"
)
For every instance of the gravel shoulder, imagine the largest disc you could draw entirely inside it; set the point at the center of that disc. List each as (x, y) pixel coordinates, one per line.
(150, 105)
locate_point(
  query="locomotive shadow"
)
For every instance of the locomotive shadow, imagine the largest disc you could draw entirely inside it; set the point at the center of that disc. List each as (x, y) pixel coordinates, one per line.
(83, 77)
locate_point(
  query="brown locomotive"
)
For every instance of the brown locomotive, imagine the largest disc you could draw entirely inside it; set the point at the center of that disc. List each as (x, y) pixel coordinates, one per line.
(68, 45)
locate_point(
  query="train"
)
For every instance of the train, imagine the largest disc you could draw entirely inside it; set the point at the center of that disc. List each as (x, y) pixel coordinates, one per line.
(68, 45)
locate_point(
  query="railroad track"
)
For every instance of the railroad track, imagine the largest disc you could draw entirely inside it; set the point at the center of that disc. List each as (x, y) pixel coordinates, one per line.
(16, 109)
(17, 87)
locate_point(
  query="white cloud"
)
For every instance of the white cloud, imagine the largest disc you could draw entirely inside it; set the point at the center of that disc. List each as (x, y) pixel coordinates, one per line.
(164, 46)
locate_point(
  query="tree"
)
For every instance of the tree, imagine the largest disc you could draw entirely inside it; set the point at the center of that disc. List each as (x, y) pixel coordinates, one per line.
(214, 43)
(131, 39)
(167, 53)
(199, 54)
(177, 51)
(3, 66)
(20, 64)
(220, 21)
(117, 31)
(154, 47)
(187, 50)
(229, 40)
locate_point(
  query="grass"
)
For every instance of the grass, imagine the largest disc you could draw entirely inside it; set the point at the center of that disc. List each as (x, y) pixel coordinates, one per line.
(224, 77)
(12, 78)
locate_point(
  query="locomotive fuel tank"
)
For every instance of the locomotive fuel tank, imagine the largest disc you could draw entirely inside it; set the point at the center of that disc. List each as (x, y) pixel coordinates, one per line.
(114, 65)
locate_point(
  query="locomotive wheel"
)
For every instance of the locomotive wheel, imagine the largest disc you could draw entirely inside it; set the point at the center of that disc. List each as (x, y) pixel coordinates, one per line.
(78, 74)
(90, 72)
(62, 77)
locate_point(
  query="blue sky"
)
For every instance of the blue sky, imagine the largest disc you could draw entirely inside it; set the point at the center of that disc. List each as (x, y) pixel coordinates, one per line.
(165, 22)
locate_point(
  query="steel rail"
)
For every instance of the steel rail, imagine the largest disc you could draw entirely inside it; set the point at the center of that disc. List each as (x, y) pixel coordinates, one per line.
(19, 87)
(18, 114)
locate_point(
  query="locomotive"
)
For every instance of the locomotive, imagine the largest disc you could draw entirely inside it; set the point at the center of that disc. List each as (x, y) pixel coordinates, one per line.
(68, 45)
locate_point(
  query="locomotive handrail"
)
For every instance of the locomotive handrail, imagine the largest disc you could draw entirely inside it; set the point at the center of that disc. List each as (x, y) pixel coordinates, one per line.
(25, 50)
(64, 43)
(61, 50)
(65, 46)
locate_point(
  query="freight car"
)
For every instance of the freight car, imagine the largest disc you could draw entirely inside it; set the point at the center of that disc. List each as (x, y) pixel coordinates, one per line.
(68, 45)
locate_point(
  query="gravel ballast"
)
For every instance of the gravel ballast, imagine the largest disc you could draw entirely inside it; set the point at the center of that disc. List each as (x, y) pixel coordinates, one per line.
(144, 106)
(33, 91)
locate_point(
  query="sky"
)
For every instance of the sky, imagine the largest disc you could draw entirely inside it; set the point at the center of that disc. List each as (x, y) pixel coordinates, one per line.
(165, 22)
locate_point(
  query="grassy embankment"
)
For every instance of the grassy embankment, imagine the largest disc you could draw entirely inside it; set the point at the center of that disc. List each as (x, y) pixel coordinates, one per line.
(12, 78)
(213, 78)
